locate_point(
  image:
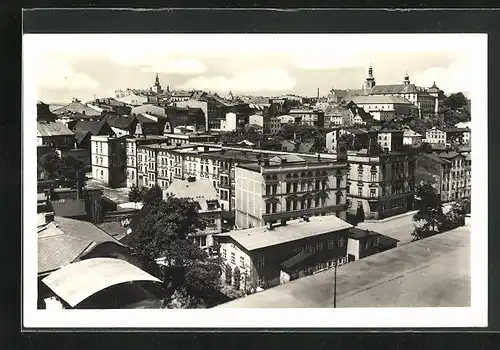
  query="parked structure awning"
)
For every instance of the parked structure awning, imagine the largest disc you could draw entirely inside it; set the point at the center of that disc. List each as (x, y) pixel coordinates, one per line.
(78, 281)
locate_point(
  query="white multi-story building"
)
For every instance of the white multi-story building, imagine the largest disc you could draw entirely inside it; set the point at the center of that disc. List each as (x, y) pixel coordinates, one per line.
(204, 194)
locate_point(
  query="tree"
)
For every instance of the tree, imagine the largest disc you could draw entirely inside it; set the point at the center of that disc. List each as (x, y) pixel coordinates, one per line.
(152, 195)
(50, 162)
(455, 101)
(71, 173)
(237, 277)
(228, 274)
(162, 230)
(134, 194)
(430, 212)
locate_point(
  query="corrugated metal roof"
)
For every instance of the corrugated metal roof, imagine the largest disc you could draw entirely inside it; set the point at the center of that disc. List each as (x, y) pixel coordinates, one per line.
(78, 281)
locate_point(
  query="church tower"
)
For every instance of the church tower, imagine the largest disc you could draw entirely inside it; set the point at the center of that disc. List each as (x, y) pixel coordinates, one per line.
(406, 79)
(156, 88)
(370, 81)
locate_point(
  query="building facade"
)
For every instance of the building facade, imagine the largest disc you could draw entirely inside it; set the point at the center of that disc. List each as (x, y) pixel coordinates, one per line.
(109, 160)
(204, 194)
(288, 186)
(308, 117)
(381, 185)
(386, 107)
(267, 257)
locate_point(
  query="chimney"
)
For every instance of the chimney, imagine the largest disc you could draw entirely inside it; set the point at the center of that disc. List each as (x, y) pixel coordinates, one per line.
(319, 157)
(49, 217)
(206, 148)
(283, 222)
(306, 218)
(367, 233)
(270, 225)
(318, 95)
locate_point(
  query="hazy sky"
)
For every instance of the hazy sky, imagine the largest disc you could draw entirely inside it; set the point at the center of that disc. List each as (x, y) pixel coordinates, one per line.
(78, 65)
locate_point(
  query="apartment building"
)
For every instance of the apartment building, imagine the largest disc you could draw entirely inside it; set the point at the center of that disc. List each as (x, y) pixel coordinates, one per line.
(287, 186)
(412, 138)
(267, 123)
(269, 256)
(136, 171)
(448, 172)
(204, 194)
(390, 140)
(386, 107)
(447, 136)
(456, 182)
(109, 161)
(308, 117)
(381, 184)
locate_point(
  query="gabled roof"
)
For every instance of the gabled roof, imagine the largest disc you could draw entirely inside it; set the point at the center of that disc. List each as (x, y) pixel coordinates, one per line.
(64, 240)
(93, 126)
(120, 122)
(376, 99)
(81, 135)
(394, 89)
(305, 147)
(47, 129)
(435, 158)
(288, 158)
(411, 133)
(77, 107)
(200, 190)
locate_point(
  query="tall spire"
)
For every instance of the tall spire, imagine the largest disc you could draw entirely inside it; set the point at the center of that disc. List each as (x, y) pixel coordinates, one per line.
(370, 71)
(157, 79)
(406, 79)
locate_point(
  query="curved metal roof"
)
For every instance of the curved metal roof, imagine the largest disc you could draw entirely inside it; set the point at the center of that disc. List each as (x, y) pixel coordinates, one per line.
(78, 281)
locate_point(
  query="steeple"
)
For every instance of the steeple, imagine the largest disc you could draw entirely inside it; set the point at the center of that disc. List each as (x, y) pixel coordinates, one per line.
(406, 79)
(370, 81)
(157, 86)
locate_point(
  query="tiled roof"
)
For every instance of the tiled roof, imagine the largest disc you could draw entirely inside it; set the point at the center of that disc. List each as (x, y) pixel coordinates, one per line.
(376, 99)
(289, 158)
(449, 155)
(80, 135)
(200, 190)
(120, 122)
(262, 237)
(150, 109)
(457, 130)
(410, 133)
(47, 129)
(394, 89)
(64, 240)
(94, 127)
(77, 107)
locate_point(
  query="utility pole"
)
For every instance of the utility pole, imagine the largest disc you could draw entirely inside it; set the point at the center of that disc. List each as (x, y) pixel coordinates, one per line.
(335, 285)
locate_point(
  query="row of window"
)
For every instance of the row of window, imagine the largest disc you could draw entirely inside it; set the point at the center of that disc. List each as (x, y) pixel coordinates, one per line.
(331, 244)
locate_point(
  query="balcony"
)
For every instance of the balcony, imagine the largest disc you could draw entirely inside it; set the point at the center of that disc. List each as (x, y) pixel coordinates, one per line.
(288, 215)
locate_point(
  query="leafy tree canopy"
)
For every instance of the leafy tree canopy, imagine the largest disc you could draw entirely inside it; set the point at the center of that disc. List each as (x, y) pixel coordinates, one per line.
(430, 212)
(455, 101)
(163, 229)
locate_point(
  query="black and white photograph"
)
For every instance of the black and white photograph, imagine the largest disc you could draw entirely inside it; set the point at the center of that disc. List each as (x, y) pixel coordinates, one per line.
(255, 180)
